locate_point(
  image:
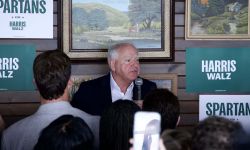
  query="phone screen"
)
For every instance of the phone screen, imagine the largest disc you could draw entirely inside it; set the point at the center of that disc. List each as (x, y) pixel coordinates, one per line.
(146, 130)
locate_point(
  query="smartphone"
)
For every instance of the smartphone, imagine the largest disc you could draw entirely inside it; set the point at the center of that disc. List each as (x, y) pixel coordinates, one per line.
(146, 131)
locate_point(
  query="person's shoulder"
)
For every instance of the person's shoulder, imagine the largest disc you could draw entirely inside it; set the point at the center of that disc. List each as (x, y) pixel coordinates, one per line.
(17, 126)
(146, 81)
(82, 114)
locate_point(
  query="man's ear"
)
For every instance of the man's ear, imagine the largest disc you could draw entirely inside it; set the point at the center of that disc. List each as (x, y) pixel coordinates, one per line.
(70, 82)
(178, 121)
(112, 65)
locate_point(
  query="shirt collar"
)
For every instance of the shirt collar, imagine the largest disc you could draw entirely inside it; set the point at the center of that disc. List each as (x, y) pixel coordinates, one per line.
(116, 92)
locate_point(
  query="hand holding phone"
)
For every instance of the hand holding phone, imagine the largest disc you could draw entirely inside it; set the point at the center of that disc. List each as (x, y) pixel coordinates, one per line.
(146, 130)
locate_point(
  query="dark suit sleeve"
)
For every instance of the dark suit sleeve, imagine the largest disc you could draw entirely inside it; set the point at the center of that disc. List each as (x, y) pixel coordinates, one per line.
(147, 87)
(83, 99)
(93, 96)
(154, 86)
(76, 100)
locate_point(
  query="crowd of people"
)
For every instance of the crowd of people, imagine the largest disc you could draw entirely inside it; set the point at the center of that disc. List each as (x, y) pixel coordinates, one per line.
(101, 113)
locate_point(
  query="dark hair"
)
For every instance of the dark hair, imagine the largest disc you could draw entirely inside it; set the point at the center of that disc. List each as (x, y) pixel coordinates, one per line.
(176, 139)
(241, 140)
(116, 125)
(52, 71)
(214, 133)
(66, 133)
(166, 103)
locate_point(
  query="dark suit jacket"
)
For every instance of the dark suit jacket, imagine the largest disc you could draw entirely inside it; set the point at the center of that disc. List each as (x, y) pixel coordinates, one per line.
(94, 96)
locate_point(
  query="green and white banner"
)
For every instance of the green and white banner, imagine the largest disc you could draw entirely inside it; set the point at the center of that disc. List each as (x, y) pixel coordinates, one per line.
(26, 18)
(217, 69)
(233, 107)
(16, 62)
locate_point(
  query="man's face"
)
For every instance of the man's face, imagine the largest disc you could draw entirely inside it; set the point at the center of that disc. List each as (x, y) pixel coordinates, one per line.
(126, 67)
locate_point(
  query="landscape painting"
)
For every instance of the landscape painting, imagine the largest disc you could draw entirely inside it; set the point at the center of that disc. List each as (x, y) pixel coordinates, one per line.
(92, 26)
(217, 19)
(97, 24)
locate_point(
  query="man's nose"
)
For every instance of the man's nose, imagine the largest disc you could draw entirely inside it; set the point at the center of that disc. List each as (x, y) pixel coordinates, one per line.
(135, 63)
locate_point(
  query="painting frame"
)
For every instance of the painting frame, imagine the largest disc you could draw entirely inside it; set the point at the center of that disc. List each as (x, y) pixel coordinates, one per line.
(209, 31)
(162, 80)
(165, 52)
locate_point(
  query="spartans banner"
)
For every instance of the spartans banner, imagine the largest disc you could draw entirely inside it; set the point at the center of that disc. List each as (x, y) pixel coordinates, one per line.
(218, 69)
(26, 18)
(16, 63)
(233, 107)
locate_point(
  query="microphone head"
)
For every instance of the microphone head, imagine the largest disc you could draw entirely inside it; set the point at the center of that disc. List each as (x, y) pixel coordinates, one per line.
(138, 81)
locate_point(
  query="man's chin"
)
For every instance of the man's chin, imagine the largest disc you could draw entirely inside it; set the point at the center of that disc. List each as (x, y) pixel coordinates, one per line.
(133, 77)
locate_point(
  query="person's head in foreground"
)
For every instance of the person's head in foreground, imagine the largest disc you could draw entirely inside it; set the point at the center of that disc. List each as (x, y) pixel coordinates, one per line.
(215, 133)
(167, 104)
(116, 125)
(52, 70)
(176, 139)
(66, 133)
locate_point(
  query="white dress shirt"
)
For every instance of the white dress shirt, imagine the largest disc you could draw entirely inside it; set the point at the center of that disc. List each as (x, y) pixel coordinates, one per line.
(116, 92)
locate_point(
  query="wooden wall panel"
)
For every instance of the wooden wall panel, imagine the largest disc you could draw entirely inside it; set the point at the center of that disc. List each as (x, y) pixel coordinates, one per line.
(18, 97)
(179, 32)
(181, 44)
(179, 8)
(179, 19)
(189, 107)
(180, 56)
(16, 109)
(41, 45)
(189, 119)
(16, 105)
(167, 67)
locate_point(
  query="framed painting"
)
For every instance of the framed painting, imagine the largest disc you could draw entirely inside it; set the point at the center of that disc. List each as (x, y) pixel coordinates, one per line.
(163, 80)
(217, 19)
(90, 27)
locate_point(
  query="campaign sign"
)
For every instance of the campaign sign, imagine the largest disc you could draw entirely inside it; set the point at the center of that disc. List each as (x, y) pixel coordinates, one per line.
(26, 18)
(233, 107)
(16, 63)
(217, 70)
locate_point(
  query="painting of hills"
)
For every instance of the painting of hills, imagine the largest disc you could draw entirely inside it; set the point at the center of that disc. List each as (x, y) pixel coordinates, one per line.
(98, 24)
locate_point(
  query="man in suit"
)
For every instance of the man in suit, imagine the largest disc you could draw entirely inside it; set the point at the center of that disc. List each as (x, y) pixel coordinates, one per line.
(96, 95)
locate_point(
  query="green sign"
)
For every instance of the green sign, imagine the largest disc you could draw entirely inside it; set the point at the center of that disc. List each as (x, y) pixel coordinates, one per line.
(218, 69)
(16, 67)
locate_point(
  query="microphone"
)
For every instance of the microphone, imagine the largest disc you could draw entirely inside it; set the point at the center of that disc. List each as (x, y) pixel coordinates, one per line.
(138, 83)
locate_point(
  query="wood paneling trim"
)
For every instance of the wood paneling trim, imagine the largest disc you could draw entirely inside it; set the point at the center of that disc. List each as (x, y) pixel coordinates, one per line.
(179, 32)
(85, 69)
(18, 109)
(55, 11)
(18, 96)
(180, 56)
(181, 44)
(179, 19)
(189, 119)
(183, 95)
(189, 107)
(181, 82)
(179, 7)
(41, 44)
